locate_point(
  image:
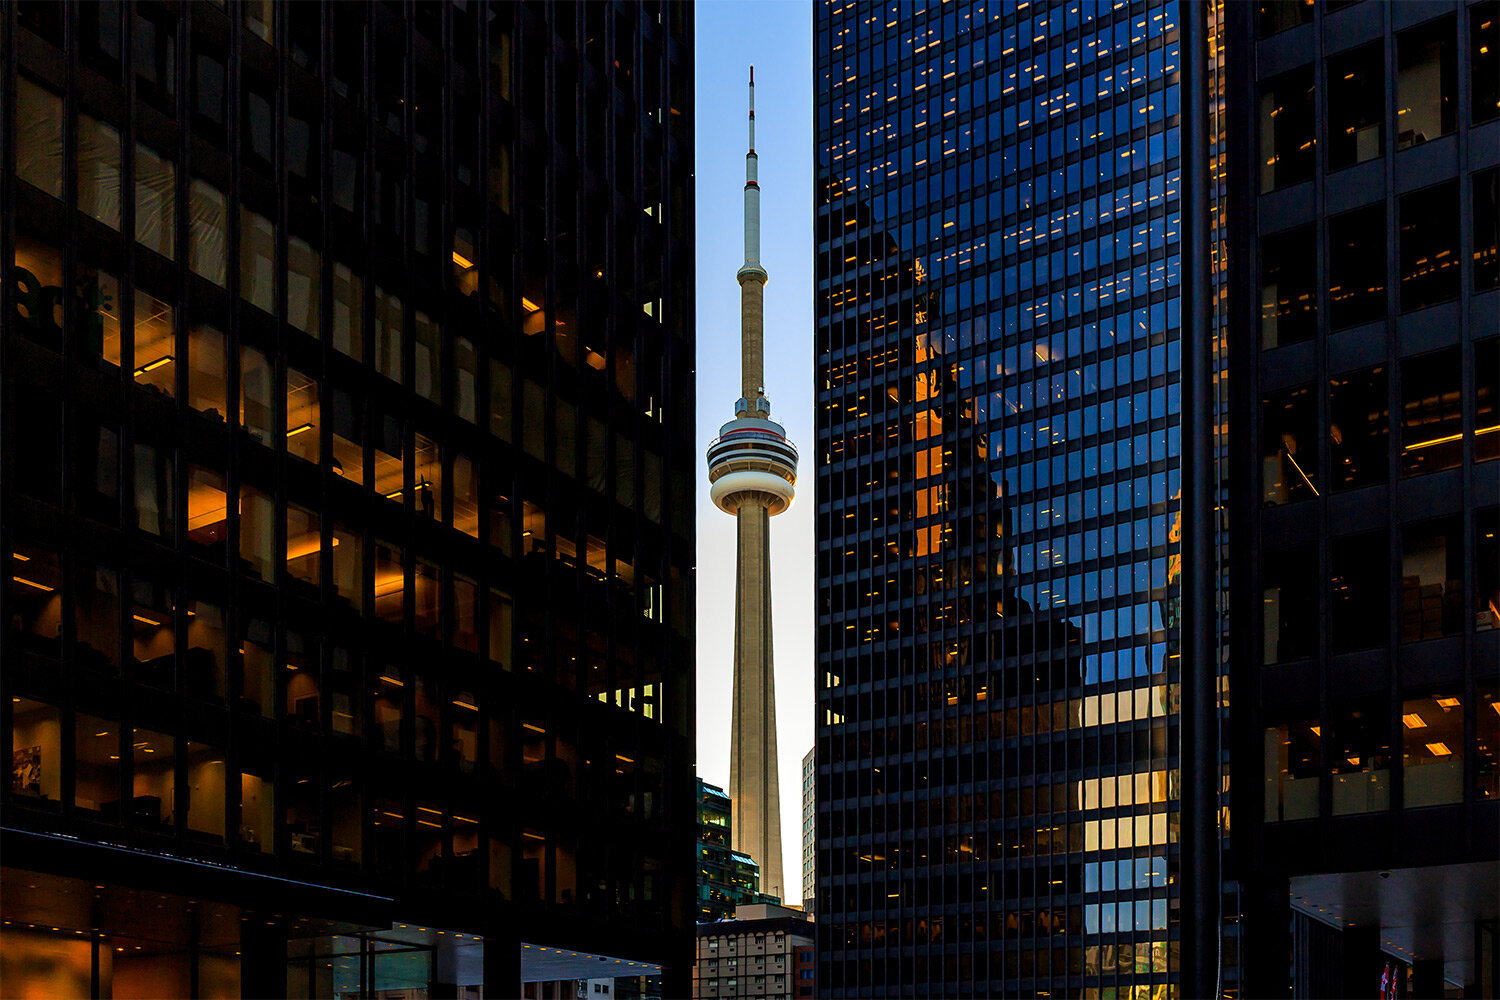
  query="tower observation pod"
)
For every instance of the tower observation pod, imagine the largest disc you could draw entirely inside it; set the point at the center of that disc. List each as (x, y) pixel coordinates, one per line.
(752, 472)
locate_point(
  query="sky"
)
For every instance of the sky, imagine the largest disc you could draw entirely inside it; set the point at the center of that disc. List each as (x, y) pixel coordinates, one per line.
(776, 37)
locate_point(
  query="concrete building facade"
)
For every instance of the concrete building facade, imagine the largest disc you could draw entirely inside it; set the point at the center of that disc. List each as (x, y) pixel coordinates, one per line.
(758, 953)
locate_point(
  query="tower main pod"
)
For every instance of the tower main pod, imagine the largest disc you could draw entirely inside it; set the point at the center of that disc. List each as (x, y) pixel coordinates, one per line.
(752, 469)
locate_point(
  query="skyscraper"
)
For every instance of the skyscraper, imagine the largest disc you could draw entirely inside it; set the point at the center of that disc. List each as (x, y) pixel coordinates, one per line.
(752, 469)
(1364, 384)
(809, 828)
(346, 508)
(1000, 439)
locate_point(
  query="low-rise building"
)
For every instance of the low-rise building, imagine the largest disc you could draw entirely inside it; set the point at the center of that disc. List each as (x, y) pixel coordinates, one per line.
(760, 952)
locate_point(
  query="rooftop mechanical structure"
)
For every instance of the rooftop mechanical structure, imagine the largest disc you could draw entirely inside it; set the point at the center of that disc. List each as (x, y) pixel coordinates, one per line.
(752, 471)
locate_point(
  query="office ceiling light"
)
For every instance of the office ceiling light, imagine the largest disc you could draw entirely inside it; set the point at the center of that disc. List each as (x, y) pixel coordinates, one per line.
(1413, 721)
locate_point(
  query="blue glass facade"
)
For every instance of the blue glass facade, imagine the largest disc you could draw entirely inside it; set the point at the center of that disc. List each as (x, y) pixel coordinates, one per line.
(999, 457)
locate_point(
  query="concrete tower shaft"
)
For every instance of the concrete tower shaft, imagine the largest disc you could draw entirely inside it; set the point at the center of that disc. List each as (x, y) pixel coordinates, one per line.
(752, 469)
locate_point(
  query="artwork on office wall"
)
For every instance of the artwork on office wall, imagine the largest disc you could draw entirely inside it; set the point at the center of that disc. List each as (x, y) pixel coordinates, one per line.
(26, 771)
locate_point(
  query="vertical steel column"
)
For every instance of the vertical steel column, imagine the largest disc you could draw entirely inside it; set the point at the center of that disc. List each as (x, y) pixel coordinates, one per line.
(1199, 668)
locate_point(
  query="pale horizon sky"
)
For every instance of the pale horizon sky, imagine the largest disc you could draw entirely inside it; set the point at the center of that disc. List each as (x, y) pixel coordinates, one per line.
(776, 37)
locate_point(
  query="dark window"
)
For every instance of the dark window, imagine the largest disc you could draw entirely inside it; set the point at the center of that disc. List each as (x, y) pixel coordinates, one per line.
(1486, 399)
(1431, 412)
(209, 95)
(1356, 267)
(1289, 446)
(257, 129)
(1288, 293)
(1359, 428)
(156, 61)
(304, 31)
(1356, 106)
(1359, 594)
(1361, 758)
(1484, 60)
(1487, 569)
(1289, 605)
(1292, 752)
(1432, 579)
(1272, 16)
(348, 51)
(1426, 82)
(1486, 198)
(100, 36)
(1429, 246)
(1286, 129)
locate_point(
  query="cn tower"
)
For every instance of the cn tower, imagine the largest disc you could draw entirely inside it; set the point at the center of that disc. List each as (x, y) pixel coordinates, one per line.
(752, 469)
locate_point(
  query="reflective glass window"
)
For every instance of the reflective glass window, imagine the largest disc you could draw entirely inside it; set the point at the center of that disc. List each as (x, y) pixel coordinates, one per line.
(1426, 82)
(1356, 106)
(1431, 412)
(1357, 257)
(1432, 749)
(1289, 446)
(1429, 257)
(1359, 430)
(1288, 287)
(1359, 598)
(1286, 129)
(1432, 579)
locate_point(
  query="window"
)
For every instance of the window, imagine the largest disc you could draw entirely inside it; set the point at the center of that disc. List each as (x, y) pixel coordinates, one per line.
(155, 344)
(36, 599)
(1289, 605)
(1486, 399)
(1289, 446)
(303, 416)
(501, 614)
(348, 565)
(1484, 61)
(1487, 569)
(1432, 749)
(257, 533)
(155, 202)
(426, 357)
(465, 496)
(205, 791)
(1273, 16)
(347, 434)
(1286, 130)
(1356, 106)
(1359, 428)
(1431, 412)
(1430, 261)
(466, 379)
(304, 272)
(99, 171)
(348, 312)
(207, 231)
(304, 545)
(1356, 267)
(39, 131)
(1487, 743)
(256, 829)
(35, 751)
(1288, 293)
(208, 527)
(208, 383)
(1486, 205)
(154, 785)
(1361, 758)
(387, 334)
(207, 661)
(98, 618)
(257, 681)
(156, 61)
(154, 492)
(1426, 82)
(390, 584)
(96, 763)
(427, 478)
(1432, 579)
(256, 388)
(1359, 567)
(257, 260)
(38, 282)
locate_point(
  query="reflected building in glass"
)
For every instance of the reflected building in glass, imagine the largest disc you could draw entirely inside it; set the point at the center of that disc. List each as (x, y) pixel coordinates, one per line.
(1364, 389)
(346, 506)
(1000, 265)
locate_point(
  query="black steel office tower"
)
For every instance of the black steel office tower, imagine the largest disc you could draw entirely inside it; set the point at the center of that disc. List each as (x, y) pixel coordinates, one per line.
(1002, 309)
(347, 455)
(1364, 383)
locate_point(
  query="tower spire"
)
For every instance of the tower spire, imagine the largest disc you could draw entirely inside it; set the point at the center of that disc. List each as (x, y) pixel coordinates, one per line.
(752, 278)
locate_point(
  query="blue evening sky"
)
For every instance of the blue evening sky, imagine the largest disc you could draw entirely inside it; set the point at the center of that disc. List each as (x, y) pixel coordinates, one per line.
(775, 36)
